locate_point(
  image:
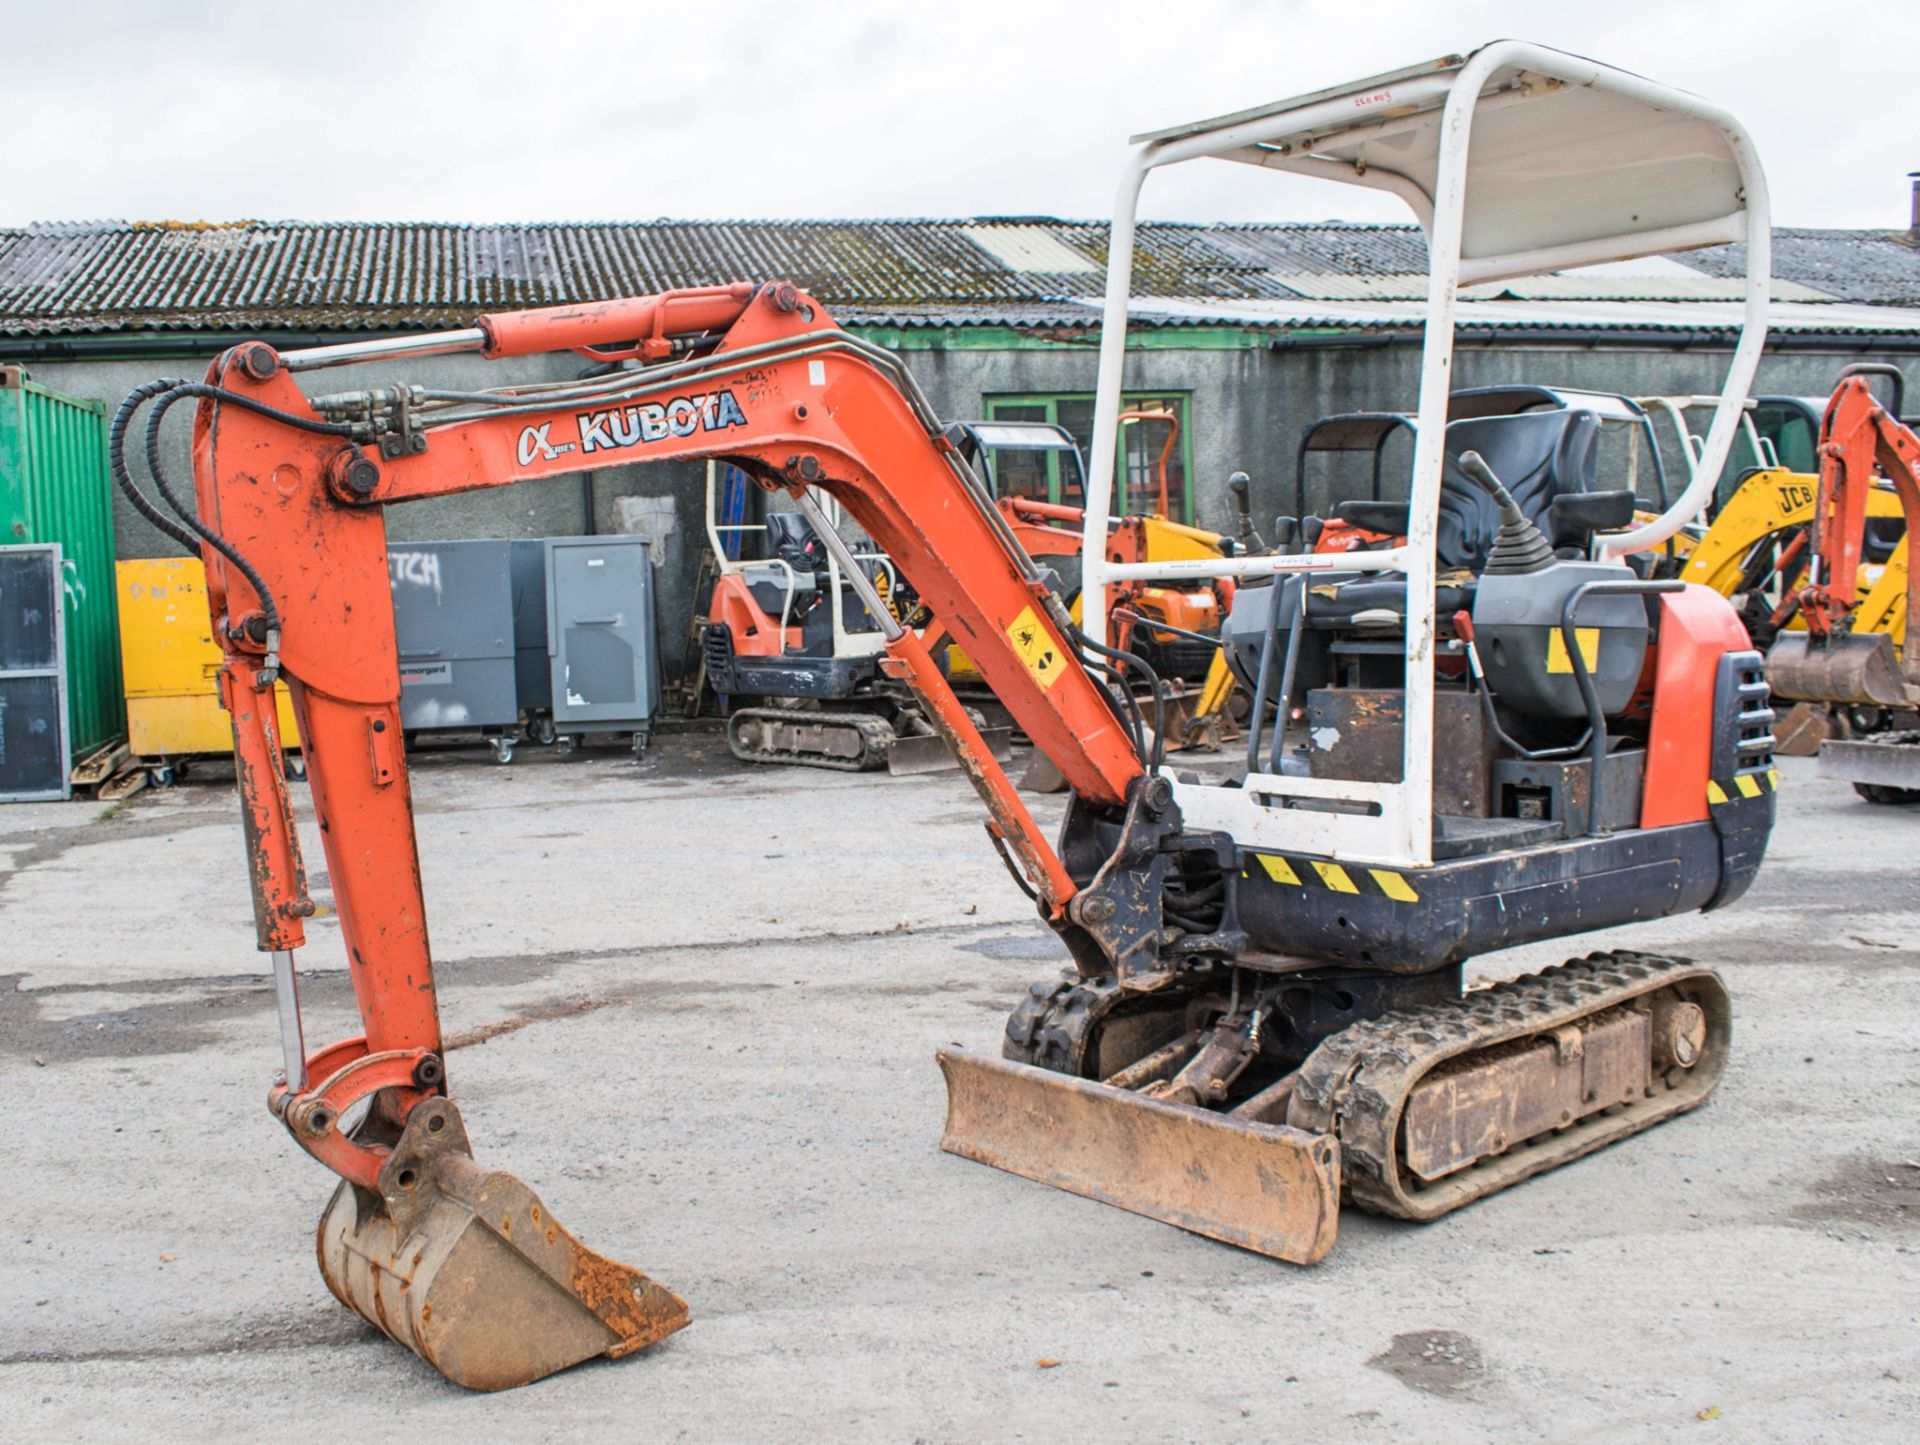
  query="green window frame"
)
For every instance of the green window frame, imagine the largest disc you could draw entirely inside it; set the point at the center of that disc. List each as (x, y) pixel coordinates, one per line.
(1141, 444)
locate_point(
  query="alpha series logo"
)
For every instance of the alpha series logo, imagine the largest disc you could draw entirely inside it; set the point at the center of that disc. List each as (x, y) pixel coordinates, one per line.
(635, 425)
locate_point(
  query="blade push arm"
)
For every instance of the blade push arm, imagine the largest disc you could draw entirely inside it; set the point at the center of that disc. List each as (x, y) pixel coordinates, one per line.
(757, 376)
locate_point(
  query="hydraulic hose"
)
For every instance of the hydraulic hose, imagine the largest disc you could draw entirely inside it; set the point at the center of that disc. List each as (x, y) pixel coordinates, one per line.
(1125, 660)
(165, 395)
(117, 461)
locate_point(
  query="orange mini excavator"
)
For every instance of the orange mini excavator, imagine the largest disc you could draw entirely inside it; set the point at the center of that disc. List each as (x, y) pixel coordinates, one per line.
(1265, 1007)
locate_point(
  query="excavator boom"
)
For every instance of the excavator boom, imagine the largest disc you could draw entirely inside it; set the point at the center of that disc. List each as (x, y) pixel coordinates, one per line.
(461, 1264)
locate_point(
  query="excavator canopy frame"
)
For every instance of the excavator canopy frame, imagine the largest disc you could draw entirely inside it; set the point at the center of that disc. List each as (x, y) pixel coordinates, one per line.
(1516, 159)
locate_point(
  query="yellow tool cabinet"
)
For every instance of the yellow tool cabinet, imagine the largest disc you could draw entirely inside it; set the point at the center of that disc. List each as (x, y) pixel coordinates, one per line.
(168, 660)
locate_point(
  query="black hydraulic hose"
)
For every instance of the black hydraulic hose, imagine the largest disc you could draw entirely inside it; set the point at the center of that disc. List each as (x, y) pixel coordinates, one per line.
(1125, 708)
(194, 532)
(1126, 714)
(1150, 754)
(117, 462)
(180, 391)
(1125, 660)
(1159, 626)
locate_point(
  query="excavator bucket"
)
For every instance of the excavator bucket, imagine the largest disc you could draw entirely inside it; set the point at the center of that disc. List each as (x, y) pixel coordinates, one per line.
(1265, 1187)
(465, 1267)
(1845, 669)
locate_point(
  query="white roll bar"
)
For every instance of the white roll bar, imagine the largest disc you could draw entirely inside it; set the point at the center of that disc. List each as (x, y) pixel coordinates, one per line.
(1577, 164)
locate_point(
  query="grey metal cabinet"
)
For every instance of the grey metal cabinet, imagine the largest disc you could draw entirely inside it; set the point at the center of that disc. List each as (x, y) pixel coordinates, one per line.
(530, 672)
(34, 742)
(603, 656)
(453, 616)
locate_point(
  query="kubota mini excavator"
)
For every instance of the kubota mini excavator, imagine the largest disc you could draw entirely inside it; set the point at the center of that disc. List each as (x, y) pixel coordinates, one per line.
(797, 655)
(1265, 1003)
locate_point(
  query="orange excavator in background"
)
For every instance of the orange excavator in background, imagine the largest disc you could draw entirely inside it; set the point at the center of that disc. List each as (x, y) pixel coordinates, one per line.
(1184, 644)
(1857, 651)
(1173, 1072)
(1173, 627)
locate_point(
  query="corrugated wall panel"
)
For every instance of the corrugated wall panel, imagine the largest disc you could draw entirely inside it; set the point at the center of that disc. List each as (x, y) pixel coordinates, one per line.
(54, 487)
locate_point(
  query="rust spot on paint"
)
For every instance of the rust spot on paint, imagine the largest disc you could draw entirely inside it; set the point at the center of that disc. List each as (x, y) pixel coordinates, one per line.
(637, 1310)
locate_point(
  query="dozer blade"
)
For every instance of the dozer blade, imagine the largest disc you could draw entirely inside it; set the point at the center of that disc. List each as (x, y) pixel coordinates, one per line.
(1265, 1187)
(929, 753)
(465, 1267)
(1885, 760)
(1846, 669)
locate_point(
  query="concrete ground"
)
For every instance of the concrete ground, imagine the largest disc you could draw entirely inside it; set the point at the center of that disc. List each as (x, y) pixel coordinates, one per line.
(698, 1005)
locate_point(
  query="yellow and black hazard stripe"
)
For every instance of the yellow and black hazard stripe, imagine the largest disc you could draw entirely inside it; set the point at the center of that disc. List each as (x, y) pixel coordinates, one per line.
(1331, 877)
(1741, 786)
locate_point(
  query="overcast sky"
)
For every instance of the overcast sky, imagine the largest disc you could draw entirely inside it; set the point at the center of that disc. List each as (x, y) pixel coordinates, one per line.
(478, 110)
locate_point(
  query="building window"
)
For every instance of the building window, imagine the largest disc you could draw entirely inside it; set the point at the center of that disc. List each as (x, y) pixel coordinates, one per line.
(1143, 443)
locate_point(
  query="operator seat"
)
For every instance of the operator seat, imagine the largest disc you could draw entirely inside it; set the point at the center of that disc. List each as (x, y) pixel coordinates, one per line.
(1542, 456)
(792, 540)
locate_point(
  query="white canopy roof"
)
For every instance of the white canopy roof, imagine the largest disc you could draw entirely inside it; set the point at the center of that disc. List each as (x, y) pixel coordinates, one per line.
(1560, 171)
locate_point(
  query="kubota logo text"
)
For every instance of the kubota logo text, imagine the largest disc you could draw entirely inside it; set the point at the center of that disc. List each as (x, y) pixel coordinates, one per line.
(634, 425)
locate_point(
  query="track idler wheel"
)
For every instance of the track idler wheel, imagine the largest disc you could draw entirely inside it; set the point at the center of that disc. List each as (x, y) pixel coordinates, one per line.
(465, 1267)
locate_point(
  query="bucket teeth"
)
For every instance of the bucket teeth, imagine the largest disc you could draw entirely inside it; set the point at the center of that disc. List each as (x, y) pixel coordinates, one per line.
(466, 1267)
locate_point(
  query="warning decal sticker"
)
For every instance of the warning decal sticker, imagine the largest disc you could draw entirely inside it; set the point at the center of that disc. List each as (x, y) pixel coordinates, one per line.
(1036, 647)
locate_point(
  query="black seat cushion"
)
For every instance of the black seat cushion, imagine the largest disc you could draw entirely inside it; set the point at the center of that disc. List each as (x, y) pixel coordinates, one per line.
(1335, 601)
(1578, 515)
(1540, 456)
(1390, 518)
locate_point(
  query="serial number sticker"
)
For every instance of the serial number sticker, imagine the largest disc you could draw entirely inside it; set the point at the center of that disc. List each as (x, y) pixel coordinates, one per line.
(1036, 647)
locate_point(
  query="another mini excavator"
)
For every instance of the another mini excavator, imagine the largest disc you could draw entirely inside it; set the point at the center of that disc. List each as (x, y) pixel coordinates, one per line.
(1265, 1006)
(1856, 651)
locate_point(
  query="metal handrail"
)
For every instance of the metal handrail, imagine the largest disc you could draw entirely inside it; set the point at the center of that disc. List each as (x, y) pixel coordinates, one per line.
(1583, 679)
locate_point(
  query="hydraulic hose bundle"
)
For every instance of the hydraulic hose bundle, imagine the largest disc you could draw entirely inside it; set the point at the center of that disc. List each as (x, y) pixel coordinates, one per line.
(189, 531)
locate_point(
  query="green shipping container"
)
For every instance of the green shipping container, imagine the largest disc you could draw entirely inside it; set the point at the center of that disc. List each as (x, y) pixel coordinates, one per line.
(55, 487)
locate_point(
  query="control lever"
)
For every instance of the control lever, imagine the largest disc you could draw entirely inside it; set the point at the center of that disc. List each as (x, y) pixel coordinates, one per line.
(1240, 484)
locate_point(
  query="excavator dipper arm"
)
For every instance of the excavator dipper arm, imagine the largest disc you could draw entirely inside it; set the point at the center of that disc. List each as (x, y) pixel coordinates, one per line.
(457, 1263)
(1833, 661)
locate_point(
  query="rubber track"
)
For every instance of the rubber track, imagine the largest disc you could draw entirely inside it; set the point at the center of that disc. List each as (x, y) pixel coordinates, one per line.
(1356, 1084)
(876, 737)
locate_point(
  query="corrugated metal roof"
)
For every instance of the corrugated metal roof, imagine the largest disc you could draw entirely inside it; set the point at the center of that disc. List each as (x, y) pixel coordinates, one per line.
(1877, 268)
(1838, 318)
(1028, 247)
(116, 276)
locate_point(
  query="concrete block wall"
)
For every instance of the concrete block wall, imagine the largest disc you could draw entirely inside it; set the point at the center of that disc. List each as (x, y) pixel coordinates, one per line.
(1248, 406)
